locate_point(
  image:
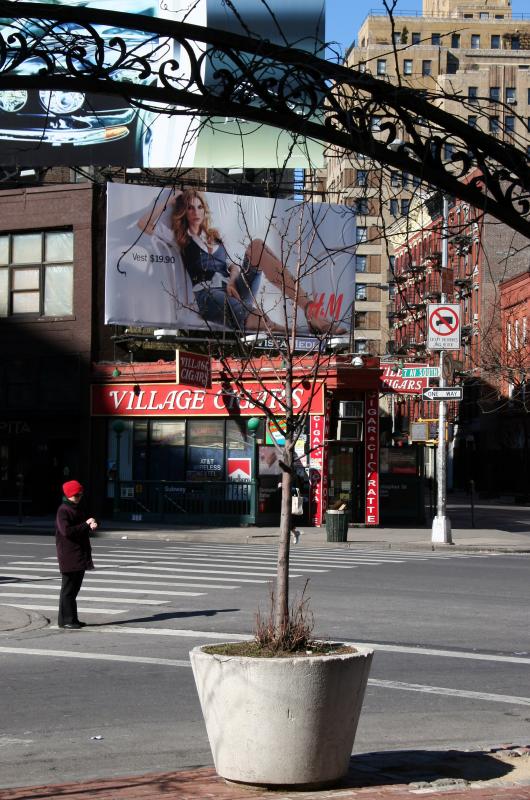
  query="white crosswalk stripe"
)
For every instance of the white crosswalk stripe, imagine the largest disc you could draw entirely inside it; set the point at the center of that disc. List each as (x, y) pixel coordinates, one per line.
(130, 576)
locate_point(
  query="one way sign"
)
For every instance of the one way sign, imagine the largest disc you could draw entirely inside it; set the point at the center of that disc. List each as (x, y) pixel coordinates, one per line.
(443, 393)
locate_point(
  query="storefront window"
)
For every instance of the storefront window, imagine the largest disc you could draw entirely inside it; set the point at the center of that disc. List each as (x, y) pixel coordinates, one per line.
(205, 450)
(140, 450)
(167, 450)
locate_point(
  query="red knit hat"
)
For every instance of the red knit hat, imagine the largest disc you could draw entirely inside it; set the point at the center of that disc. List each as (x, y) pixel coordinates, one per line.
(72, 487)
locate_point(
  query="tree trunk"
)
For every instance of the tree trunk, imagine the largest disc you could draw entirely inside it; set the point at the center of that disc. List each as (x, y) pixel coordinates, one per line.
(281, 607)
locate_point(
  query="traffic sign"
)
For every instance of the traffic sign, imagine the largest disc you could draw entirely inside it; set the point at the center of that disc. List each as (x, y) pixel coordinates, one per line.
(443, 326)
(443, 393)
(420, 372)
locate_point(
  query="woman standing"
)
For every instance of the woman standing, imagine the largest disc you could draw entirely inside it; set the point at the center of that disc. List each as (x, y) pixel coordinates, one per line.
(74, 552)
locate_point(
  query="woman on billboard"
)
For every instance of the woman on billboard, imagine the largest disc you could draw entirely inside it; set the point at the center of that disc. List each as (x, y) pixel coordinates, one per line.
(225, 293)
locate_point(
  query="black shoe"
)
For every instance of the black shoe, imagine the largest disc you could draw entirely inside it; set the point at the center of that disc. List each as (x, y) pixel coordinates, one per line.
(72, 626)
(83, 624)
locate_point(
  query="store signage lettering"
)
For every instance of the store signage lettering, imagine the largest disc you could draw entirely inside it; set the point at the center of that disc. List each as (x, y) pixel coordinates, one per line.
(193, 369)
(168, 400)
(392, 379)
(372, 458)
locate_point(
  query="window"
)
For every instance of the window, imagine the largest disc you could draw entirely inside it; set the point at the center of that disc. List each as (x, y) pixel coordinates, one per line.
(362, 177)
(508, 336)
(524, 331)
(394, 207)
(396, 37)
(499, 16)
(495, 94)
(361, 263)
(426, 67)
(455, 40)
(495, 42)
(205, 451)
(516, 43)
(516, 335)
(472, 121)
(510, 94)
(361, 205)
(361, 345)
(405, 206)
(452, 64)
(407, 66)
(362, 66)
(472, 94)
(475, 41)
(360, 291)
(484, 15)
(436, 39)
(416, 38)
(37, 274)
(361, 234)
(468, 16)
(376, 123)
(395, 178)
(494, 125)
(509, 124)
(381, 66)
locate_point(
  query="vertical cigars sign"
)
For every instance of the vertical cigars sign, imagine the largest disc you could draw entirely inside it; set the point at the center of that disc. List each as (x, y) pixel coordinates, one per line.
(318, 433)
(371, 458)
(193, 369)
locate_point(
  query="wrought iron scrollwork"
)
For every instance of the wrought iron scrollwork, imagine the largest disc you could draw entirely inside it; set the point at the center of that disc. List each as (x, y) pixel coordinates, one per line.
(62, 48)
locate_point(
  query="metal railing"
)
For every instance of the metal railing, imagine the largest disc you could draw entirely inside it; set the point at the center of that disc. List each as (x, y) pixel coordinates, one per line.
(208, 503)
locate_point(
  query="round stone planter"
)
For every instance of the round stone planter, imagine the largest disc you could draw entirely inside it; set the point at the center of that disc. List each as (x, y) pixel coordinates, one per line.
(281, 721)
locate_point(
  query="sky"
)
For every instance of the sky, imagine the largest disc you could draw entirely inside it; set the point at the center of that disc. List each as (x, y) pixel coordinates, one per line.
(345, 17)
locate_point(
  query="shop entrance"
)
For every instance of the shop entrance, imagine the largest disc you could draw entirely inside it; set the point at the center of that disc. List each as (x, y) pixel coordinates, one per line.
(346, 477)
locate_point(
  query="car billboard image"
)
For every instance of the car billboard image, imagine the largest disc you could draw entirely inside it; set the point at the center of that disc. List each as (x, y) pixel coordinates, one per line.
(50, 128)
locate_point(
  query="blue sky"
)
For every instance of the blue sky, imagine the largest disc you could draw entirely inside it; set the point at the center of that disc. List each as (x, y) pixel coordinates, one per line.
(344, 17)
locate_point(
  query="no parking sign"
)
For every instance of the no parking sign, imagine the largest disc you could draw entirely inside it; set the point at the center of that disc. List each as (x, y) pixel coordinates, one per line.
(443, 326)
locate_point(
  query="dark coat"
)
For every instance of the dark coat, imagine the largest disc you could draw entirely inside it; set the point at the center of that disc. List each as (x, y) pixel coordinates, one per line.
(74, 552)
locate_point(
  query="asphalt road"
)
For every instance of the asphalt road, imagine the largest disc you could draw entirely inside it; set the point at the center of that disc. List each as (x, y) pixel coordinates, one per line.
(451, 633)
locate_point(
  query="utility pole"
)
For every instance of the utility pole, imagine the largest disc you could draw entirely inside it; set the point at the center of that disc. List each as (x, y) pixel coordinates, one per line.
(441, 524)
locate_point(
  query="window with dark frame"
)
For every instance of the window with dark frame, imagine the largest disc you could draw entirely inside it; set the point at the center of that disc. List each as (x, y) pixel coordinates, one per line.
(36, 274)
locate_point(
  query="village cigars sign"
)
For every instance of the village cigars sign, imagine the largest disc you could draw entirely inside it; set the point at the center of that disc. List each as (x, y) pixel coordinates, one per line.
(371, 457)
(170, 400)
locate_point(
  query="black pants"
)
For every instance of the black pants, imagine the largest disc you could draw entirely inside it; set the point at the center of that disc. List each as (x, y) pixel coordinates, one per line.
(70, 587)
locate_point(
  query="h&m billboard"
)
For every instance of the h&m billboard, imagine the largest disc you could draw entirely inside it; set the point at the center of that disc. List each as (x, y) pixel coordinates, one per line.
(73, 128)
(210, 261)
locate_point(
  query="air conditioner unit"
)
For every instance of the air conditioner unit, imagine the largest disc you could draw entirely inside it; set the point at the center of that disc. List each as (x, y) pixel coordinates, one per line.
(350, 430)
(511, 100)
(351, 409)
(475, 317)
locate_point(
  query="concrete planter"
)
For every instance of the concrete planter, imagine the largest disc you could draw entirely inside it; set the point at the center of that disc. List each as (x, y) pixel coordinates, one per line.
(281, 721)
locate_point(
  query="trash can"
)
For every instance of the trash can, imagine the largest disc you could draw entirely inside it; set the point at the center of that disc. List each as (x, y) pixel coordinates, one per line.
(337, 525)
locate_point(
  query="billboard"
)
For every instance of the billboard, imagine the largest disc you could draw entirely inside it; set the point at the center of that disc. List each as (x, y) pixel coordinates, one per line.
(39, 128)
(188, 260)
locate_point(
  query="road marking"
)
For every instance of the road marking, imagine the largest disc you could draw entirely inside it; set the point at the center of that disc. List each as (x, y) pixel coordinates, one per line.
(115, 589)
(170, 662)
(157, 563)
(417, 687)
(108, 567)
(390, 648)
(167, 662)
(259, 562)
(135, 600)
(54, 608)
(145, 574)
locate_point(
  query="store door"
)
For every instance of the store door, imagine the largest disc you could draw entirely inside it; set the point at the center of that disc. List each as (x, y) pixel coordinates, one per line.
(346, 478)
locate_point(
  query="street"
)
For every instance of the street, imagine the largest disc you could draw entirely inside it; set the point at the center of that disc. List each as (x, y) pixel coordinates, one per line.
(450, 631)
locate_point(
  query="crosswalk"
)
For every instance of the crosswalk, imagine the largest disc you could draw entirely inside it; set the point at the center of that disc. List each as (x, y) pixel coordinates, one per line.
(129, 576)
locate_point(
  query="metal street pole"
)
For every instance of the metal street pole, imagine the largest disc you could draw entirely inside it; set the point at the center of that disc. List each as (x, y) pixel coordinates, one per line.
(441, 524)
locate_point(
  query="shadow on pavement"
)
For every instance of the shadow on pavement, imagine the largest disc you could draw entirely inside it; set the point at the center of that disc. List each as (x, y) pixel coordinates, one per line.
(423, 766)
(209, 612)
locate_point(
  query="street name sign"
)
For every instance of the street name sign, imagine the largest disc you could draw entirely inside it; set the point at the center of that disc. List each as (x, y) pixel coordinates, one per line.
(420, 372)
(443, 326)
(443, 393)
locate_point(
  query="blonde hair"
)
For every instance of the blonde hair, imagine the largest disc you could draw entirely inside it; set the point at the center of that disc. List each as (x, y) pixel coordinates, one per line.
(180, 224)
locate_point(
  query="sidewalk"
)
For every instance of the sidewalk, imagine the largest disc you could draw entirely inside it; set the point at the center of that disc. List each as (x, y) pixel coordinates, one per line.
(496, 774)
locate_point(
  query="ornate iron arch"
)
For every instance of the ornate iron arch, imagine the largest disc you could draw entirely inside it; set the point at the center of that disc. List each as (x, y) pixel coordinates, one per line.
(261, 82)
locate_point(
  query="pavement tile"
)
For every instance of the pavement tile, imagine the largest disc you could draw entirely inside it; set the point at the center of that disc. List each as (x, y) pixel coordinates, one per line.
(204, 784)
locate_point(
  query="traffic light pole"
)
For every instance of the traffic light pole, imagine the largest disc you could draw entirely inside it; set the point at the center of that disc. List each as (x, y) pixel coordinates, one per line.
(441, 524)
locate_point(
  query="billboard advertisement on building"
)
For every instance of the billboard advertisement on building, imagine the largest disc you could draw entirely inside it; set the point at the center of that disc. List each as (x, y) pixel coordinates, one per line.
(211, 261)
(42, 128)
